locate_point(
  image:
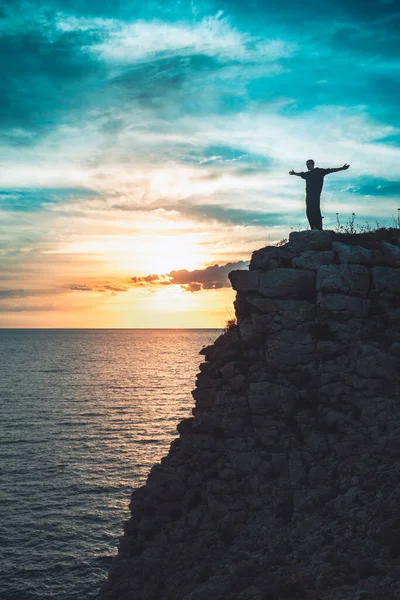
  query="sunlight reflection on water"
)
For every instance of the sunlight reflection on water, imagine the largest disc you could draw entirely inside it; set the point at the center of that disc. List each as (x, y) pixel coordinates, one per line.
(84, 416)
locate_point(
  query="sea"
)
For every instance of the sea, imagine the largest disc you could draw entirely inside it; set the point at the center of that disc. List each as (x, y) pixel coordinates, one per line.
(84, 414)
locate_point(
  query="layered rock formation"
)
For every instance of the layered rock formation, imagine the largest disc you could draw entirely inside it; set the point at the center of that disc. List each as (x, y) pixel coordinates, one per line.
(285, 483)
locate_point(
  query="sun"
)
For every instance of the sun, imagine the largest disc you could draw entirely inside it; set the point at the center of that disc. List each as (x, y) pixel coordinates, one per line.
(167, 253)
(158, 254)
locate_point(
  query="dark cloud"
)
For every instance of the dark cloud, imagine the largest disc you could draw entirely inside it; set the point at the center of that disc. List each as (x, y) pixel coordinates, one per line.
(13, 294)
(81, 288)
(6, 294)
(210, 278)
(52, 75)
(46, 74)
(216, 212)
(115, 288)
(5, 308)
(153, 79)
(259, 15)
(225, 214)
(176, 83)
(146, 279)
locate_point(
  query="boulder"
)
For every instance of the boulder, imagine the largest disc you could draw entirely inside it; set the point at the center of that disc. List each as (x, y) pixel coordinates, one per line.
(246, 281)
(352, 254)
(385, 279)
(313, 260)
(287, 283)
(343, 305)
(313, 239)
(343, 279)
(268, 257)
(390, 250)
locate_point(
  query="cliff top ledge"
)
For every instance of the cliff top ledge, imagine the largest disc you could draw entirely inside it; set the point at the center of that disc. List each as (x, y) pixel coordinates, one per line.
(283, 484)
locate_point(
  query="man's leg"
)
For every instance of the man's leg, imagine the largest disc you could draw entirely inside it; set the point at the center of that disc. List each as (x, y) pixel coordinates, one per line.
(314, 213)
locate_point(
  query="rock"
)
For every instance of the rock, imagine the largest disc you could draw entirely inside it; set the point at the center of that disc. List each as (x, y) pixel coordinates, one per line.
(244, 462)
(334, 417)
(313, 260)
(264, 396)
(287, 283)
(352, 254)
(261, 259)
(290, 348)
(317, 475)
(245, 281)
(395, 348)
(251, 593)
(285, 481)
(167, 486)
(376, 364)
(298, 473)
(261, 323)
(295, 311)
(385, 279)
(310, 240)
(390, 250)
(341, 305)
(228, 370)
(343, 279)
(246, 328)
(264, 305)
(216, 588)
(280, 464)
(345, 502)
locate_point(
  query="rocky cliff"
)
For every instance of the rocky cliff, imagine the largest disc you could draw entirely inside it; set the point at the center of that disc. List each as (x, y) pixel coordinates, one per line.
(285, 483)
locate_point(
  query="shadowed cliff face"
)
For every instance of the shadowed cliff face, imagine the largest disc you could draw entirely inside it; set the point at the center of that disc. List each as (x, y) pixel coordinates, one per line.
(284, 484)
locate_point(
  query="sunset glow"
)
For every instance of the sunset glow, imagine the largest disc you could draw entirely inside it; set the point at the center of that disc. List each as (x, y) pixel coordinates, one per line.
(140, 140)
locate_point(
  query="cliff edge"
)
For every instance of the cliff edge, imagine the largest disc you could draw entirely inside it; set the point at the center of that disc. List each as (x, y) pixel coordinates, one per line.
(285, 483)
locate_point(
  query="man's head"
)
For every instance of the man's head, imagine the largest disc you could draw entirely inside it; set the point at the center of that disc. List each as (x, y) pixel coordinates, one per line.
(310, 164)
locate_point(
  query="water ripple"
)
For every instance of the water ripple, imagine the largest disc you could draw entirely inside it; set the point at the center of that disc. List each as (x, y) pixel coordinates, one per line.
(84, 415)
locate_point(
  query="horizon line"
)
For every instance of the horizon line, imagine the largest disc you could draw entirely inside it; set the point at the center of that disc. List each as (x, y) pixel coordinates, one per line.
(104, 328)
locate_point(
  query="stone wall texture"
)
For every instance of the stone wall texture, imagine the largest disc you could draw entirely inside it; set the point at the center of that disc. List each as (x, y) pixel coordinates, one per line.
(285, 483)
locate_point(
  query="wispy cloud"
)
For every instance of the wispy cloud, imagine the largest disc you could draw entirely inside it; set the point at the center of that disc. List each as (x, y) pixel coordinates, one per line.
(113, 289)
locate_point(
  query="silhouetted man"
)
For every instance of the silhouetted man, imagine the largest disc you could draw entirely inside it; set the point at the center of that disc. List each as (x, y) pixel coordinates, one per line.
(314, 182)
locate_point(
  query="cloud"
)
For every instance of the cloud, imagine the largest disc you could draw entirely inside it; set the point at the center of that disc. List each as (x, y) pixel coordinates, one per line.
(211, 36)
(33, 199)
(225, 214)
(13, 294)
(125, 121)
(22, 308)
(374, 186)
(6, 294)
(211, 278)
(45, 73)
(160, 279)
(114, 289)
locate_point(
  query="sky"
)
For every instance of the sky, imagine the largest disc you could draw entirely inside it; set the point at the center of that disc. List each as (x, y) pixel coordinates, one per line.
(145, 147)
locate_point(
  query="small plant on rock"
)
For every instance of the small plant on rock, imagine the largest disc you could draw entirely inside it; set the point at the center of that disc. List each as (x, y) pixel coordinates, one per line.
(349, 227)
(230, 324)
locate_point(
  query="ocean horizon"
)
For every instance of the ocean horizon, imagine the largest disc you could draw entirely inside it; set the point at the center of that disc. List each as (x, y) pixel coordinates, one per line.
(85, 413)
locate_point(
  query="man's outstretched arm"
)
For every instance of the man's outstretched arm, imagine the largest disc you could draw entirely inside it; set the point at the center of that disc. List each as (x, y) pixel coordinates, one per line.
(294, 173)
(335, 170)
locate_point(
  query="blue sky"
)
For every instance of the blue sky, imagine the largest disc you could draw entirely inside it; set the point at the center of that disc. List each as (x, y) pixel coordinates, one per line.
(146, 137)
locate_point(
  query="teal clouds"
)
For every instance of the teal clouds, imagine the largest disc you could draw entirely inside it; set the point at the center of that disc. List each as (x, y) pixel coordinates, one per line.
(35, 199)
(230, 94)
